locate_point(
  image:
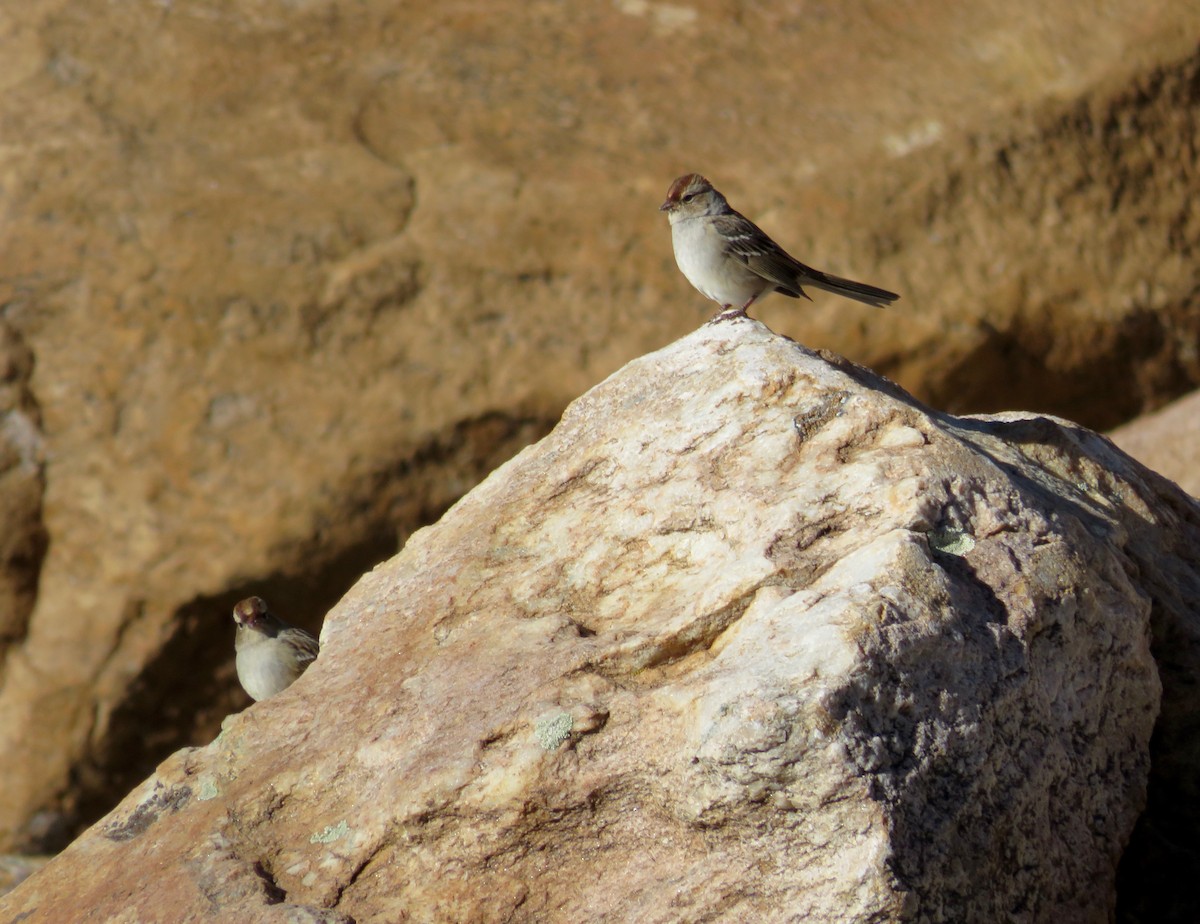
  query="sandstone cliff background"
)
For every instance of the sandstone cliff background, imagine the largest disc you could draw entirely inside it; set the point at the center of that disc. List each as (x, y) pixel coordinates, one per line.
(279, 282)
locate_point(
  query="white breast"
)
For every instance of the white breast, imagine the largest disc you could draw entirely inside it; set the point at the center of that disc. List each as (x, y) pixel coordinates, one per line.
(700, 254)
(261, 673)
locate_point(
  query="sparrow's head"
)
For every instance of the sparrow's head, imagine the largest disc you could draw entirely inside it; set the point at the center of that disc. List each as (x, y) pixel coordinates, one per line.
(692, 195)
(253, 613)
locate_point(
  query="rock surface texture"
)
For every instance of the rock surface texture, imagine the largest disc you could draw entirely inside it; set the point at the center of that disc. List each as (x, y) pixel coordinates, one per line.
(280, 281)
(752, 635)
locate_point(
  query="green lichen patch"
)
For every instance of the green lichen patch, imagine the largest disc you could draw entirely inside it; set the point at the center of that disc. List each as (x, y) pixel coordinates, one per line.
(951, 541)
(331, 833)
(553, 730)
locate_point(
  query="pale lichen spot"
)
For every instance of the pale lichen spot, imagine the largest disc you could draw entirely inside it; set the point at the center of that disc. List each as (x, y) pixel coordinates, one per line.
(951, 541)
(551, 731)
(331, 833)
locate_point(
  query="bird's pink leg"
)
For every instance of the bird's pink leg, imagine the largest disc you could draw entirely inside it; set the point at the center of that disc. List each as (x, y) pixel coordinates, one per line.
(738, 312)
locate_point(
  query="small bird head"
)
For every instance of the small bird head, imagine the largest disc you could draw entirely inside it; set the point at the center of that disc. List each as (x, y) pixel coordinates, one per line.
(253, 613)
(692, 195)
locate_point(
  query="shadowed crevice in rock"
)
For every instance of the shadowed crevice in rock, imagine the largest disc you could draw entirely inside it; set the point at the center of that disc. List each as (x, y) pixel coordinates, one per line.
(1021, 365)
(1161, 859)
(23, 535)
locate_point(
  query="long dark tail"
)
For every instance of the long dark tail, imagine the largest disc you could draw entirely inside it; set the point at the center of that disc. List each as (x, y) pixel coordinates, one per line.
(859, 291)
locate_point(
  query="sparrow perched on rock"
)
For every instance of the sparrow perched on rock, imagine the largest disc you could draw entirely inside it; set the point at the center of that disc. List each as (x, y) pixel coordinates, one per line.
(270, 653)
(731, 260)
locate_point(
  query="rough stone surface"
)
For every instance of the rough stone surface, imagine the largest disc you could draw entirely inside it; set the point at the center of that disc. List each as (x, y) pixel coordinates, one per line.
(16, 868)
(751, 635)
(1167, 441)
(280, 281)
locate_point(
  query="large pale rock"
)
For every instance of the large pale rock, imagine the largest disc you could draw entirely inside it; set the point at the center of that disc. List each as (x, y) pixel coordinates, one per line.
(751, 635)
(282, 280)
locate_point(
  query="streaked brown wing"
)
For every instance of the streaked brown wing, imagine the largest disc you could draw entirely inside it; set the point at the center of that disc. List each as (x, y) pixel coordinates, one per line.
(307, 647)
(770, 261)
(752, 246)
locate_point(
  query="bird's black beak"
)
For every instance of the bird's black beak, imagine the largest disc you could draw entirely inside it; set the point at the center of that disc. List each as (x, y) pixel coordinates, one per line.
(666, 205)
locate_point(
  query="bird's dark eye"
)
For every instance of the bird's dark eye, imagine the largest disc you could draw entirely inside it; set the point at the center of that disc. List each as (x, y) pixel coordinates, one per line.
(689, 197)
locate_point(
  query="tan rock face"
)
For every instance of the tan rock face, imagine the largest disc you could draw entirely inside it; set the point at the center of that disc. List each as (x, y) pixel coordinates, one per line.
(751, 635)
(279, 282)
(1167, 441)
(1098, 337)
